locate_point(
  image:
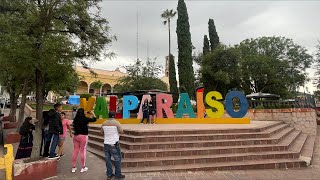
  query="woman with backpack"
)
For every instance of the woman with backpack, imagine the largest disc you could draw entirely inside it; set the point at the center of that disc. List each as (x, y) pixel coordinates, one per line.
(26, 144)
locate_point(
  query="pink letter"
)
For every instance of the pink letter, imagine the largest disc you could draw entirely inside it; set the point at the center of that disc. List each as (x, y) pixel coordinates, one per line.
(164, 102)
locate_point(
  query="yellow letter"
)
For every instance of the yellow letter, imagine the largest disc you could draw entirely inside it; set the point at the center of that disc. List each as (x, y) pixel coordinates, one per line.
(87, 105)
(215, 104)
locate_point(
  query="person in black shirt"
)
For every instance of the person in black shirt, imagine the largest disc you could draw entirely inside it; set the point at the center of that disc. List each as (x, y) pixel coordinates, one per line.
(145, 110)
(80, 139)
(55, 128)
(26, 144)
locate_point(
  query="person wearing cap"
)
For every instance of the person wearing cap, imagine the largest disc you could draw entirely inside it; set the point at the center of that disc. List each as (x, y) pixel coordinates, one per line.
(111, 129)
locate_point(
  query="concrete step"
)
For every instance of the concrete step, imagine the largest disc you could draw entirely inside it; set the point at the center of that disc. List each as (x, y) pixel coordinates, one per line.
(201, 137)
(307, 150)
(148, 153)
(235, 165)
(165, 161)
(281, 146)
(274, 139)
(217, 158)
(146, 132)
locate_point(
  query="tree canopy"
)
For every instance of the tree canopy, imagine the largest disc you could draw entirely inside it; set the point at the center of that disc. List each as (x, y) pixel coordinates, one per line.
(206, 45)
(317, 67)
(213, 35)
(55, 35)
(141, 77)
(220, 70)
(185, 63)
(265, 65)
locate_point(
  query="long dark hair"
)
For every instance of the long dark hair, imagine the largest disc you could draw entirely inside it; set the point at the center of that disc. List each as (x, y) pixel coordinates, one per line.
(80, 115)
(27, 120)
(26, 126)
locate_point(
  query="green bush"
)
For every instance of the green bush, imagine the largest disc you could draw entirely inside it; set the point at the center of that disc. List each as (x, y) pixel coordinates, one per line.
(87, 96)
(174, 108)
(259, 107)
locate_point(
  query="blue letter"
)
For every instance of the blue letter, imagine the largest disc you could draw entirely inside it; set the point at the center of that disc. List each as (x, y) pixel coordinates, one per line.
(74, 99)
(129, 103)
(243, 104)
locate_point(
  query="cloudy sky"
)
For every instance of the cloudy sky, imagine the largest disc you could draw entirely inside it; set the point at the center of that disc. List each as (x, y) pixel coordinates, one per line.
(234, 20)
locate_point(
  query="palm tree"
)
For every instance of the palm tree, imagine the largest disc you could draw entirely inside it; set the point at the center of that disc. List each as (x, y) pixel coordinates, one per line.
(167, 15)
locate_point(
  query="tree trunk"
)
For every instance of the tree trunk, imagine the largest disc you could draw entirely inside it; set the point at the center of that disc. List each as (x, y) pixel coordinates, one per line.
(22, 105)
(169, 38)
(13, 105)
(39, 108)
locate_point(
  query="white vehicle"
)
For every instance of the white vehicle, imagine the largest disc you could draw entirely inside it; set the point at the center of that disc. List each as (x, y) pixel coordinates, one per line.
(8, 103)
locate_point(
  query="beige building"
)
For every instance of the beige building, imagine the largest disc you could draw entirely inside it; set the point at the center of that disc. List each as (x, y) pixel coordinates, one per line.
(108, 78)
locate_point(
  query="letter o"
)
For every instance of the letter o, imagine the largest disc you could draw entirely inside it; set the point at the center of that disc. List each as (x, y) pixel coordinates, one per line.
(243, 104)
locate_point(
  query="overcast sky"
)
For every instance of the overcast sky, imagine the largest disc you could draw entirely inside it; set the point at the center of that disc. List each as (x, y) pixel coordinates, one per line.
(234, 21)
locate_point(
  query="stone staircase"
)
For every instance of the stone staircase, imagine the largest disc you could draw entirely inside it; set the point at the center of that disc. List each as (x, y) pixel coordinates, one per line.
(276, 145)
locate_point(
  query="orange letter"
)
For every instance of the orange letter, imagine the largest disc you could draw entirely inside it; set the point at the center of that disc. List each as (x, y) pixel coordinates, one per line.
(200, 104)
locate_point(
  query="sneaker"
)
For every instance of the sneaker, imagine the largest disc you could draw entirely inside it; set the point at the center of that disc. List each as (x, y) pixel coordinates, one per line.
(53, 157)
(84, 169)
(120, 177)
(110, 177)
(62, 155)
(73, 169)
(45, 155)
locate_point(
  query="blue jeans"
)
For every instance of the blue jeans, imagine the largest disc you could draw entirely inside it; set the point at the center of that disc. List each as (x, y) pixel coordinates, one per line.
(54, 142)
(145, 116)
(46, 141)
(115, 152)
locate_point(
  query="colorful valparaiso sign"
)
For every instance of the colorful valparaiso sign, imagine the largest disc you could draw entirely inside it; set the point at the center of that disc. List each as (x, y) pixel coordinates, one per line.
(164, 103)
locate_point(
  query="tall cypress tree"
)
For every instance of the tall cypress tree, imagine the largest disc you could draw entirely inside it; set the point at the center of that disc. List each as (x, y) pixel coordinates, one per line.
(206, 45)
(185, 68)
(172, 79)
(213, 35)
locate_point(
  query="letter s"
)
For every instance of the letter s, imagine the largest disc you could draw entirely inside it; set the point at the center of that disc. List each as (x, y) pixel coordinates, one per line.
(216, 104)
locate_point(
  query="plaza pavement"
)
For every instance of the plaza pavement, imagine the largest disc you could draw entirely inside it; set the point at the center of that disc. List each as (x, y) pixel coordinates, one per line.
(97, 170)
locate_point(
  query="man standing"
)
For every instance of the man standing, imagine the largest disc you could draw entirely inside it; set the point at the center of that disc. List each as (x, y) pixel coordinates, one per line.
(111, 129)
(55, 128)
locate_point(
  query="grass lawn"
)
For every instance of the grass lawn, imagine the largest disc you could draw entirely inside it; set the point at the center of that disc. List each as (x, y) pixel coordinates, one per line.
(47, 107)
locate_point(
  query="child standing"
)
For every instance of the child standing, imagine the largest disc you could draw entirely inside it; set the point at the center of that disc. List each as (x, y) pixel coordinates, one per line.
(62, 137)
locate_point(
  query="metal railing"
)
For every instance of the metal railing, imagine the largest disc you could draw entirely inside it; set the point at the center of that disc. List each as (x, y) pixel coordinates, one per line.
(280, 104)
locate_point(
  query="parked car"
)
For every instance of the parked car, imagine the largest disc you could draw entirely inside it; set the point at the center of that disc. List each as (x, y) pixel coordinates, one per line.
(2, 102)
(8, 103)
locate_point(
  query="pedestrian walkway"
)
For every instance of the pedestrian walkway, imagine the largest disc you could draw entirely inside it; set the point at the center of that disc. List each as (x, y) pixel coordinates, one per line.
(97, 170)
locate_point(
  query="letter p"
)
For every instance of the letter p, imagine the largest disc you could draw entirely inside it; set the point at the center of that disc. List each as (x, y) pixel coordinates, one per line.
(129, 103)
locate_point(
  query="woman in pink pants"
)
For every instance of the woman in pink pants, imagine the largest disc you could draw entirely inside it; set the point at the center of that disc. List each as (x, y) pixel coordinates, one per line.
(80, 139)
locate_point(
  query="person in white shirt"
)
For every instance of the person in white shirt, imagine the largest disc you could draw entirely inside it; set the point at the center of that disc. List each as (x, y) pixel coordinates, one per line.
(111, 129)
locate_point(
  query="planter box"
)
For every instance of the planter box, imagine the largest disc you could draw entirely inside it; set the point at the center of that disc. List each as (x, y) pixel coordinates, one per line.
(10, 125)
(35, 170)
(6, 118)
(12, 137)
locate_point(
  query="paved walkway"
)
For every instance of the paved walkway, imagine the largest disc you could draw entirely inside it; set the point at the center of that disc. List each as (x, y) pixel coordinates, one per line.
(97, 170)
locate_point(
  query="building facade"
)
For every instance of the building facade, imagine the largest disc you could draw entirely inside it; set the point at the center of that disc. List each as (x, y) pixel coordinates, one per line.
(109, 80)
